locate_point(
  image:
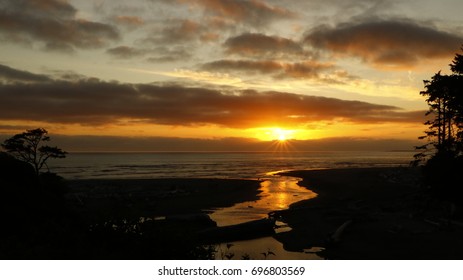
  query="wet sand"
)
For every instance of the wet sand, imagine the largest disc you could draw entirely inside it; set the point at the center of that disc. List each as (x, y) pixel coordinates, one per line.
(371, 213)
(109, 198)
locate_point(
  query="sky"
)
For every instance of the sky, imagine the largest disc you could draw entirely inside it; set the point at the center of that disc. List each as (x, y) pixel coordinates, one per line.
(221, 70)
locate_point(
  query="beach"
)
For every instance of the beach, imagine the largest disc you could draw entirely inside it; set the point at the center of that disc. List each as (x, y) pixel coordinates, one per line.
(372, 213)
(357, 213)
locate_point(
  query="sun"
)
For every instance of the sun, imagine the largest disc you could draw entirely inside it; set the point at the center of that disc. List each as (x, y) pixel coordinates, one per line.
(281, 134)
(281, 139)
(275, 134)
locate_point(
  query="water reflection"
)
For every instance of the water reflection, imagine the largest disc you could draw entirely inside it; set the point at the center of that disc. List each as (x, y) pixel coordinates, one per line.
(265, 248)
(278, 192)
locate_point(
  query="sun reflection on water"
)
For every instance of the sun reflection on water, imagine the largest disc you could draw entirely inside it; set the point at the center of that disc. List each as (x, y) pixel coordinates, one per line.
(277, 193)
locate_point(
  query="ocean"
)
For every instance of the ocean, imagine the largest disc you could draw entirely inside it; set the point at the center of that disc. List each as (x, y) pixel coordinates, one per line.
(234, 165)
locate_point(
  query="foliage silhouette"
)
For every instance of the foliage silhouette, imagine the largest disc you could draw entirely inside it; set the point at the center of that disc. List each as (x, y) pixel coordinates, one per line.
(443, 154)
(15, 172)
(146, 239)
(42, 223)
(444, 95)
(36, 222)
(29, 147)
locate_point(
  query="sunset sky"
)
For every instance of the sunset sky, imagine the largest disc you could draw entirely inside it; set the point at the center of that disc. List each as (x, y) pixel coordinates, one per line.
(222, 69)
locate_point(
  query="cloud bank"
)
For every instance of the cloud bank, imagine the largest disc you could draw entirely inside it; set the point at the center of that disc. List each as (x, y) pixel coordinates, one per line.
(92, 143)
(90, 101)
(385, 42)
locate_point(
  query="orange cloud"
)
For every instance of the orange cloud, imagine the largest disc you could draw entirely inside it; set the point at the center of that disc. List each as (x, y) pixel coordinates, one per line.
(253, 11)
(280, 70)
(130, 21)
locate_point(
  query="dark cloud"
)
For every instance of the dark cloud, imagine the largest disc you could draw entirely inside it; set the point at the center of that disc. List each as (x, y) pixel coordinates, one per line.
(53, 23)
(92, 143)
(247, 66)
(272, 55)
(299, 70)
(114, 143)
(4, 128)
(166, 54)
(92, 102)
(9, 74)
(155, 55)
(253, 12)
(125, 52)
(385, 42)
(41, 8)
(304, 70)
(175, 40)
(255, 44)
(184, 30)
(177, 32)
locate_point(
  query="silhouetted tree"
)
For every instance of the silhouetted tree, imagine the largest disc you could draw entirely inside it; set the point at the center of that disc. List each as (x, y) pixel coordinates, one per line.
(444, 95)
(457, 102)
(457, 64)
(440, 95)
(444, 151)
(29, 147)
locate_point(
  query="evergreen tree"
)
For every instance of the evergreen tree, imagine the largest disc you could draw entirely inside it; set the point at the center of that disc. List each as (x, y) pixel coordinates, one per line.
(444, 151)
(444, 95)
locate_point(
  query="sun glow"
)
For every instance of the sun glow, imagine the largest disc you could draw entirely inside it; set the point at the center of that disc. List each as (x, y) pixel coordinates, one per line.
(281, 134)
(277, 134)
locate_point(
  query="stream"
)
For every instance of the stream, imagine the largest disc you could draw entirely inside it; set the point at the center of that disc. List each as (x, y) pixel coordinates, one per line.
(277, 193)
